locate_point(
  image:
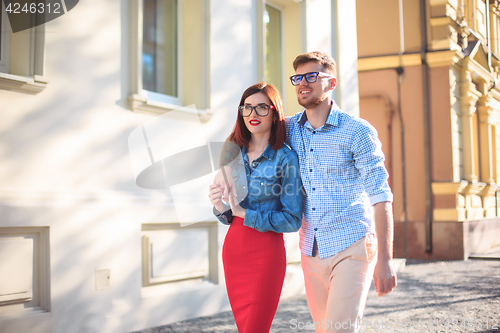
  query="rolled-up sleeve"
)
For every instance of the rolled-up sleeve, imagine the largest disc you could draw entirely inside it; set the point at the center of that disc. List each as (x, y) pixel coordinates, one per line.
(369, 161)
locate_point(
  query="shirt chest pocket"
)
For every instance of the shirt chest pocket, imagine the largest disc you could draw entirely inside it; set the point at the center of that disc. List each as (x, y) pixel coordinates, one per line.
(265, 189)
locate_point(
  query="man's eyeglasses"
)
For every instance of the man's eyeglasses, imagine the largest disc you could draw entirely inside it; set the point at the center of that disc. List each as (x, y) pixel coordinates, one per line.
(310, 77)
(261, 109)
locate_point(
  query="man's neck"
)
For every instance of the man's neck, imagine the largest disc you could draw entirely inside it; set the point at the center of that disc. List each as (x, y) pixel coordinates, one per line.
(317, 116)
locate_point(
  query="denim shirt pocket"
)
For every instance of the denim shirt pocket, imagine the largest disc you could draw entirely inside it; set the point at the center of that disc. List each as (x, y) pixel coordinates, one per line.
(266, 189)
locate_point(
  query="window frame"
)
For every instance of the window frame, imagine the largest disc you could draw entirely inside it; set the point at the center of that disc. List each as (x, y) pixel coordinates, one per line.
(282, 46)
(159, 97)
(261, 43)
(32, 80)
(144, 101)
(4, 39)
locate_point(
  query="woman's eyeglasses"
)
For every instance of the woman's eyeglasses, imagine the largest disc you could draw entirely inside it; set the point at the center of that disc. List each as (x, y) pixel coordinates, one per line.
(261, 109)
(310, 77)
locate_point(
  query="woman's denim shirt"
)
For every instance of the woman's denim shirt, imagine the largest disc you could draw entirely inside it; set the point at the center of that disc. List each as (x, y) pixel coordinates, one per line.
(271, 188)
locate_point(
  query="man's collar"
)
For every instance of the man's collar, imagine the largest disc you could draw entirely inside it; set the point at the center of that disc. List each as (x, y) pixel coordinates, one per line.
(332, 119)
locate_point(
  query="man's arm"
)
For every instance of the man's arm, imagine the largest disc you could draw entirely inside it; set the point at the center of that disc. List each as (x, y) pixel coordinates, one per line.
(384, 277)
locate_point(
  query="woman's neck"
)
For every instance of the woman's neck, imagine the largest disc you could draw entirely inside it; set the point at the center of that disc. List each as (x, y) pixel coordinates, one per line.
(258, 143)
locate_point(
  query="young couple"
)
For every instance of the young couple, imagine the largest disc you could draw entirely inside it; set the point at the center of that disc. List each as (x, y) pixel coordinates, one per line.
(325, 181)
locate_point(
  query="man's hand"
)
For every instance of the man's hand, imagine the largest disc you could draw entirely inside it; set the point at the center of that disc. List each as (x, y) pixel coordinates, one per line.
(384, 277)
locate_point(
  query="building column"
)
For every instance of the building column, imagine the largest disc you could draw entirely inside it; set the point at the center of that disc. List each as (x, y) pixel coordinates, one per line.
(468, 98)
(486, 145)
(485, 139)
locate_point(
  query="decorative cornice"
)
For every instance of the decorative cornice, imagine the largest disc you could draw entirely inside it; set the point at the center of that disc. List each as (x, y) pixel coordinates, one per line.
(473, 188)
(446, 188)
(443, 58)
(489, 190)
(388, 62)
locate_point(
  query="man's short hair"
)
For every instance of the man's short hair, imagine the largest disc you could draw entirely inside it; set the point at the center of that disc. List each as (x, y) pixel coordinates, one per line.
(321, 58)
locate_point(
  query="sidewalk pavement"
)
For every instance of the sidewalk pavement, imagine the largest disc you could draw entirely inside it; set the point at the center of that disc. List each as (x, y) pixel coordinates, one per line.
(457, 296)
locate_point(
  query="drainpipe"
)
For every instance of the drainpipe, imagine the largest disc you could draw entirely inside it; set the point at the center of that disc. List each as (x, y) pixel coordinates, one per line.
(487, 12)
(427, 143)
(400, 72)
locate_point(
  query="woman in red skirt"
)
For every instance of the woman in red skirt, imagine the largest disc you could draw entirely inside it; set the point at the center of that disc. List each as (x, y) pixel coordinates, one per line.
(265, 200)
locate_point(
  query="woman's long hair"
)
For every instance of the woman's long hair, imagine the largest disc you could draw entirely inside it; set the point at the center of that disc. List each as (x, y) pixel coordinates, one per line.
(241, 135)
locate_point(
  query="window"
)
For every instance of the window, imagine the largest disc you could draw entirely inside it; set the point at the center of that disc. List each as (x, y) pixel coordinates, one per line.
(24, 271)
(21, 57)
(159, 48)
(280, 37)
(274, 53)
(4, 40)
(169, 55)
(481, 18)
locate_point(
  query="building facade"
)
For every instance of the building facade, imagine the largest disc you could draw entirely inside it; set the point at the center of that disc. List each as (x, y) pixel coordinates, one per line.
(86, 244)
(429, 83)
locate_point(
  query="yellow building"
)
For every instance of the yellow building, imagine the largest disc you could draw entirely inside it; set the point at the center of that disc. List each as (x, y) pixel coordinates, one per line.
(428, 81)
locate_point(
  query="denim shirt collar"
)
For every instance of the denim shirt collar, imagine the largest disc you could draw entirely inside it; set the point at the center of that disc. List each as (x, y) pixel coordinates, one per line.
(332, 119)
(268, 153)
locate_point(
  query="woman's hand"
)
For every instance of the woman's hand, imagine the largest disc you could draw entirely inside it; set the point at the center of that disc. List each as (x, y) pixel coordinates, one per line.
(235, 207)
(215, 194)
(224, 179)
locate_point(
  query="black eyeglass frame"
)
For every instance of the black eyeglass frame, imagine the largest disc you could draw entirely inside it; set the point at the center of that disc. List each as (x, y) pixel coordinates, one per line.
(309, 77)
(242, 107)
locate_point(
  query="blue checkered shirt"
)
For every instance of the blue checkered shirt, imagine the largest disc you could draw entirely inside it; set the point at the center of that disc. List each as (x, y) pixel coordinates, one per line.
(343, 174)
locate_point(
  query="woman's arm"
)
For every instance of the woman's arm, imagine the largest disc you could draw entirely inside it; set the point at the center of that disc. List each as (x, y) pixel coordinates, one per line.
(221, 210)
(289, 219)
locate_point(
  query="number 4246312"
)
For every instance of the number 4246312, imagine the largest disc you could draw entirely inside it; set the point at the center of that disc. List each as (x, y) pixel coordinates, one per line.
(40, 8)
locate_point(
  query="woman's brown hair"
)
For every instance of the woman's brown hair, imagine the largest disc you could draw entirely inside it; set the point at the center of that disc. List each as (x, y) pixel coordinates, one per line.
(241, 135)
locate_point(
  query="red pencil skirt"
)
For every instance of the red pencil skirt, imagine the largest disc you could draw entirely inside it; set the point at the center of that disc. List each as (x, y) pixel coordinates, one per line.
(254, 267)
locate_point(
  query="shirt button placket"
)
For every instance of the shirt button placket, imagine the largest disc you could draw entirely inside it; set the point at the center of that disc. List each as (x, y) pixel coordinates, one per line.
(312, 146)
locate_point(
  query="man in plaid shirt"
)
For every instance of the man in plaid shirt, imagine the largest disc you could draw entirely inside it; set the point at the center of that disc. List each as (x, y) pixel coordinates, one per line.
(343, 175)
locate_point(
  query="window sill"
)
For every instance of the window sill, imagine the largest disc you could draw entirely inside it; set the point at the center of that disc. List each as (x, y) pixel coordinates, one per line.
(142, 104)
(22, 84)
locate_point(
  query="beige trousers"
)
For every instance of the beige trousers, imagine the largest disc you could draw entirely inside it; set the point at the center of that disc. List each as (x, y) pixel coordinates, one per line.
(337, 287)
